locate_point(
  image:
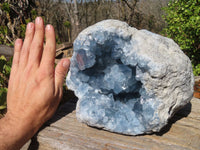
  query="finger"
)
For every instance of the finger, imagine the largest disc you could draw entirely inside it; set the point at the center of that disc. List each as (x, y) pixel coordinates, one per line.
(48, 56)
(37, 43)
(16, 57)
(27, 43)
(60, 72)
(17, 50)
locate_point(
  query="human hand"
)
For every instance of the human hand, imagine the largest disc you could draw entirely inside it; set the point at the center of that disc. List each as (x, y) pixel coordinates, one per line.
(35, 87)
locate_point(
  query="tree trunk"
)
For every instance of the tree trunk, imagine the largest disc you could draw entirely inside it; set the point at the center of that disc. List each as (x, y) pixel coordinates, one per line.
(76, 18)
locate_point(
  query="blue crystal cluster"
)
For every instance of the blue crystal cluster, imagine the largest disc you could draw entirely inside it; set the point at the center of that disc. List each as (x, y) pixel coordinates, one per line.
(107, 74)
(105, 82)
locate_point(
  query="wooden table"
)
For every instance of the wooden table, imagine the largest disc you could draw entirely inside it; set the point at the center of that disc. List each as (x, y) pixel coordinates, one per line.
(64, 132)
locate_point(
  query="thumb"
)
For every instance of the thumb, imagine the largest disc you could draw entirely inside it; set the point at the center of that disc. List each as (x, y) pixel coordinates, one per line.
(61, 71)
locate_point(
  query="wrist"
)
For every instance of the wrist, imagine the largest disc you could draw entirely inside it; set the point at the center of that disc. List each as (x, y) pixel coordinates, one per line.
(21, 124)
(15, 132)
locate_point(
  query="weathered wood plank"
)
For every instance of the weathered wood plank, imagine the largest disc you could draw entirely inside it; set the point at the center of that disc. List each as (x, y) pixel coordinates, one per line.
(7, 51)
(64, 132)
(64, 46)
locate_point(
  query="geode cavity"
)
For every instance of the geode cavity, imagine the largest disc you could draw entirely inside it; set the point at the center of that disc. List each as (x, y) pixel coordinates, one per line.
(128, 81)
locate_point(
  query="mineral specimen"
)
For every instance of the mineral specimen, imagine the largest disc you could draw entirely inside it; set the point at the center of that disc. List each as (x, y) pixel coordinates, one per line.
(128, 81)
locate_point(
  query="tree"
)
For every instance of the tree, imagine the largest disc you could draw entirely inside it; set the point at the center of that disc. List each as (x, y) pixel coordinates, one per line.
(132, 6)
(183, 19)
(69, 17)
(73, 15)
(54, 12)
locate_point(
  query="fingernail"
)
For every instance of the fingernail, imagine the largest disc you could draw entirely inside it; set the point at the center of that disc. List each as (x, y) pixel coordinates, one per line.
(29, 26)
(18, 41)
(65, 64)
(38, 20)
(48, 27)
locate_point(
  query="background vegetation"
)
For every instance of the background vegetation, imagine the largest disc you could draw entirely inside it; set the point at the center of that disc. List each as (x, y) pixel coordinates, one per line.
(183, 25)
(69, 17)
(179, 20)
(5, 68)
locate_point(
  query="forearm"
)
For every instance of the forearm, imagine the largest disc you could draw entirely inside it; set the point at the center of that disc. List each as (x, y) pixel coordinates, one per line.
(13, 134)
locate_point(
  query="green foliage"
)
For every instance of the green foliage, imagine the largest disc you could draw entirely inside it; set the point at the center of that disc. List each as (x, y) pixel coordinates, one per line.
(23, 30)
(4, 30)
(58, 40)
(5, 68)
(5, 7)
(28, 20)
(3, 33)
(34, 14)
(183, 19)
(14, 19)
(67, 24)
(196, 70)
(3, 95)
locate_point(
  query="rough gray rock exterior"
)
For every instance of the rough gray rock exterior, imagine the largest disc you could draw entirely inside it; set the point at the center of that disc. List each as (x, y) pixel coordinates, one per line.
(128, 81)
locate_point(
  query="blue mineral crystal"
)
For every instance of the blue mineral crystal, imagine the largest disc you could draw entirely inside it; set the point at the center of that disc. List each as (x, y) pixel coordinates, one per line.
(128, 81)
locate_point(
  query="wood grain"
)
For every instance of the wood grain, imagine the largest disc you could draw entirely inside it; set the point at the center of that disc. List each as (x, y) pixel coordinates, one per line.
(64, 132)
(7, 51)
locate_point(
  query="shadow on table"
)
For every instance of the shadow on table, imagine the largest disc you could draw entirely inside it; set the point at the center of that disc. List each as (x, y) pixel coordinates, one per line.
(67, 105)
(182, 113)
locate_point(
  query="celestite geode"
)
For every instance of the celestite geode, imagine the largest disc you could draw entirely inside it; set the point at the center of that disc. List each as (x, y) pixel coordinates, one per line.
(128, 81)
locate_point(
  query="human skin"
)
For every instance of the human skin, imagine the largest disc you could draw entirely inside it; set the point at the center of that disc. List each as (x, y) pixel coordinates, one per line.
(35, 86)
